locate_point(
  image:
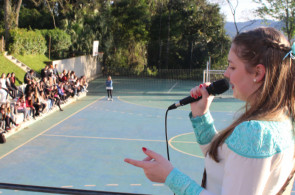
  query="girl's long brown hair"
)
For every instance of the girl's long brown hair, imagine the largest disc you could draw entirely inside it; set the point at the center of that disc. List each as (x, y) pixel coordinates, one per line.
(265, 46)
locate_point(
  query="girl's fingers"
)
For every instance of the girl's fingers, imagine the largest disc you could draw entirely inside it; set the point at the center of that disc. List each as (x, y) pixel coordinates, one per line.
(137, 163)
(152, 154)
(147, 159)
(196, 92)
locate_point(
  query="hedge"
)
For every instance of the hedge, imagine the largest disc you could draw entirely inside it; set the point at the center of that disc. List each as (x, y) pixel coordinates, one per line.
(26, 42)
(60, 41)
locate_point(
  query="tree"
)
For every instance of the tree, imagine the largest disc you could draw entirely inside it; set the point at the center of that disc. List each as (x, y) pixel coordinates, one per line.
(35, 18)
(196, 32)
(233, 9)
(11, 15)
(233, 6)
(87, 21)
(130, 30)
(282, 10)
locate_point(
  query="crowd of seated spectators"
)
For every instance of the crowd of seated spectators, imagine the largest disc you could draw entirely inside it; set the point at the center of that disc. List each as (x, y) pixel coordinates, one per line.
(39, 96)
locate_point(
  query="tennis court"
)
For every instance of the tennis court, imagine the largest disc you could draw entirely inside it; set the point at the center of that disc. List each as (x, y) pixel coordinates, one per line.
(84, 146)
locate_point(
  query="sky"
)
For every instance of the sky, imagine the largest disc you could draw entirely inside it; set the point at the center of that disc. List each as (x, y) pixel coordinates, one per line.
(244, 11)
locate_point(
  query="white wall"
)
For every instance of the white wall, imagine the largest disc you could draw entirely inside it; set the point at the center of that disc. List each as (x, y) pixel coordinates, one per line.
(82, 65)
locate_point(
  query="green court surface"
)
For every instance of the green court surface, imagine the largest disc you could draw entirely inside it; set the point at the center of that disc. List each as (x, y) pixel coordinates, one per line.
(84, 147)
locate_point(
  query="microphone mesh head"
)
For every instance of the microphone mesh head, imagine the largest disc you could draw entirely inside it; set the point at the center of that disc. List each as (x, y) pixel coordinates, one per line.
(219, 86)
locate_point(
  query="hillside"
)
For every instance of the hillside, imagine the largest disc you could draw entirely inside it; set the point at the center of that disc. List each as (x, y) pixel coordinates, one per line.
(231, 30)
(7, 67)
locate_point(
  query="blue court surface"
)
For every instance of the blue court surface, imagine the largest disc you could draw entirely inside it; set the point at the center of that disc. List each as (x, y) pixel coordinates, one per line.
(84, 147)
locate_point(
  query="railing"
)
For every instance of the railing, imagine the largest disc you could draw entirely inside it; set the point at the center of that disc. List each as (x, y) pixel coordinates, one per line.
(55, 190)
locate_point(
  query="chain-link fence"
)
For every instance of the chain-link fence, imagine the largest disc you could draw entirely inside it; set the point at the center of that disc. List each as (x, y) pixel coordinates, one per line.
(172, 74)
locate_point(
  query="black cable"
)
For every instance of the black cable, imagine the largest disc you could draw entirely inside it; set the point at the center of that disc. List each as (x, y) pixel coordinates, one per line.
(166, 134)
(56, 190)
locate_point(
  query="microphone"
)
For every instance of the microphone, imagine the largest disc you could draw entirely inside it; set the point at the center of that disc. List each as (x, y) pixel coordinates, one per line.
(215, 88)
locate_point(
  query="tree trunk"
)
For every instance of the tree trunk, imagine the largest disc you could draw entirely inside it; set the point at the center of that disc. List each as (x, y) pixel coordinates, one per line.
(160, 41)
(17, 10)
(51, 12)
(11, 16)
(7, 10)
(168, 37)
(287, 23)
(233, 11)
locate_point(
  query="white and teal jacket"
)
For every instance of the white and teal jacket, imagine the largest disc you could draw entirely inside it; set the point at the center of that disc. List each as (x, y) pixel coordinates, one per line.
(255, 159)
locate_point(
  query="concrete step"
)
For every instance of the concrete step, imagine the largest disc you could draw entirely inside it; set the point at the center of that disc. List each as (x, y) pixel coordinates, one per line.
(17, 62)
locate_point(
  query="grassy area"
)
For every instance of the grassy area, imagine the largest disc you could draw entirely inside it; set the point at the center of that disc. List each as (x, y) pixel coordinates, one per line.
(6, 66)
(35, 62)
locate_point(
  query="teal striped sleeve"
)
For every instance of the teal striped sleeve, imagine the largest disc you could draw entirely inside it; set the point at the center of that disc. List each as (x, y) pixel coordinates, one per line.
(203, 127)
(181, 184)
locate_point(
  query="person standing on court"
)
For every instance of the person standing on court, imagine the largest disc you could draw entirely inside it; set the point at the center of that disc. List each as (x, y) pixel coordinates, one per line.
(109, 88)
(255, 154)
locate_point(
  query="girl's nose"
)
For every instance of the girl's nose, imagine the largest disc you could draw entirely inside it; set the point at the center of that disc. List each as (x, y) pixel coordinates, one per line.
(226, 73)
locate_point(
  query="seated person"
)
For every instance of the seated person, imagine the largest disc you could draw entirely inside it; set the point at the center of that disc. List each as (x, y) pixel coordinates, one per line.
(29, 76)
(11, 89)
(61, 92)
(10, 110)
(3, 88)
(38, 105)
(44, 72)
(77, 87)
(55, 97)
(3, 95)
(84, 83)
(68, 89)
(29, 88)
(6, 119)
(22, 108)
(45, 101)
(12, 82)
(30, 104)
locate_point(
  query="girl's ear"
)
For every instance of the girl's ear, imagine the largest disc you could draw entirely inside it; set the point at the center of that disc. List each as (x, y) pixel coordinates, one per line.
(259, 72)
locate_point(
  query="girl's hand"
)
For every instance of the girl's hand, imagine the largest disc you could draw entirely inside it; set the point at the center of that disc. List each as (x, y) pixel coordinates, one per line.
(200, 107)
(155, 166)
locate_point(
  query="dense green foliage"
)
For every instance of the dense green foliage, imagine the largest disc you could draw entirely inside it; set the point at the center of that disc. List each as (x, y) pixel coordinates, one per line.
(281, 10)
(131, 34)
(26, 42)
(138, 35)
(196, 32)
(58, 40)
(30, 18)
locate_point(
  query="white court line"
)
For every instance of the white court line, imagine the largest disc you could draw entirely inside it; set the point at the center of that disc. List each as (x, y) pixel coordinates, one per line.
(122, 139)
(172, 87)
(171, 145)
(112, 185)
(135, 184)
(89, 185)
(158, 184)
(109, 138)
(67, 186)
(49, 128)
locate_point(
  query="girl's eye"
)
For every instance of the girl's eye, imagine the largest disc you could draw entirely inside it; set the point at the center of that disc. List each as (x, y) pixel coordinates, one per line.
(231, 67)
